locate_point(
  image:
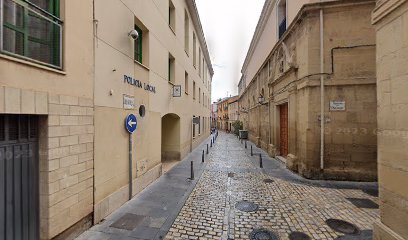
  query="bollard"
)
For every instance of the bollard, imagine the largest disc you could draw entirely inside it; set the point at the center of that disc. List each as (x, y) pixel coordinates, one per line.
(211, 143)
(260, 161)
(192, 171)
(202, 157)
(246, 144)
(252, 152)
(207, 148)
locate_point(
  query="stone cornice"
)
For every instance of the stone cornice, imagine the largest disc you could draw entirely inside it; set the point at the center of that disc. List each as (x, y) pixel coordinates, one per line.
(195, 18)
(263, 19)
(385, 7)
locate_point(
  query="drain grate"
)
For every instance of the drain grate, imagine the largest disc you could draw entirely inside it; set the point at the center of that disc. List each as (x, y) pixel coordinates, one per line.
(299, 236)
(342, 226)
(363, 203)
(128, 222)
(268, 181)
(263, 234)
(246, 206)
(231, 175)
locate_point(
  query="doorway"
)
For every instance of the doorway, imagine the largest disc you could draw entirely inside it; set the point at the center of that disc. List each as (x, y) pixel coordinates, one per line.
(284, 122)
(170, 142)
(19, 177)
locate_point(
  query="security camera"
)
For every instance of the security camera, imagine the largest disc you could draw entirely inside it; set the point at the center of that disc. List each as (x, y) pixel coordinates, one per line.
(133, 34)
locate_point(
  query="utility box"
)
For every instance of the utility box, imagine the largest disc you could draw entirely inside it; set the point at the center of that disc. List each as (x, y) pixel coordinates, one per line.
(243, 134)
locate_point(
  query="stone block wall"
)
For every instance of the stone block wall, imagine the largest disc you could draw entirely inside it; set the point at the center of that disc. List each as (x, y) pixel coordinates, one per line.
(391, 20)
(69, 166)
(66, 136)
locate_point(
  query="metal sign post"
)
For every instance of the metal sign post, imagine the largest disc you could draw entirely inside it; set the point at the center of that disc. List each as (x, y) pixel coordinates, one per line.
(130, 125)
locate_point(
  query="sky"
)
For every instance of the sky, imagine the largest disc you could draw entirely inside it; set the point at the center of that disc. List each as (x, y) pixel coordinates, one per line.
(228, 28)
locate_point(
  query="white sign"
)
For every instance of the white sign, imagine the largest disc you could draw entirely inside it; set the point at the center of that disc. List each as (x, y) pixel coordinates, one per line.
(177, 91)
(128, 102)
(337, 106)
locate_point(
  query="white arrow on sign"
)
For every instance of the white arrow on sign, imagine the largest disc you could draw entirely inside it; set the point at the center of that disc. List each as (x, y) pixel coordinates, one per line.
(130, 123)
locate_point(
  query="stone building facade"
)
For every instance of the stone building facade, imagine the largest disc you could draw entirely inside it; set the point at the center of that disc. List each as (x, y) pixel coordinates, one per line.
(329, 44)
(65, 92)
(391, 22)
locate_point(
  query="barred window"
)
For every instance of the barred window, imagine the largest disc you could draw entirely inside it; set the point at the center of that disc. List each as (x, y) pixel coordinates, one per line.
(31, 29)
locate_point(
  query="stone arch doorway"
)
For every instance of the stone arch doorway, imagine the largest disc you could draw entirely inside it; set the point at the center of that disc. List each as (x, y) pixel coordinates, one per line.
(170, 141)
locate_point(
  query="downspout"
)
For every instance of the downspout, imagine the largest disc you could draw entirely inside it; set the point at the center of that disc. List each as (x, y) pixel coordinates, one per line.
(322, 117)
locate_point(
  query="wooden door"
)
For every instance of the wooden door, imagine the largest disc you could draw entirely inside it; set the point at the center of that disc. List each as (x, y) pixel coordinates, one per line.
(284, 138)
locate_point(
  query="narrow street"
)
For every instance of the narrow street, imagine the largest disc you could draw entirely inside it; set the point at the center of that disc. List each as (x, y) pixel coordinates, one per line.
(233, 198)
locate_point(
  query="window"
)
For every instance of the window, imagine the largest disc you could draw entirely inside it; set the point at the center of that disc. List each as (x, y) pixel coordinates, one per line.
(186, 82)
(203, 67)
(172, 16)
(281, 18)
(194, 50)
(199, 95)
(186, 32)
(194, 90)
(199, 62)
(172, 69)
(194, 128)
(199, 125)
(139, 45)
(32, 29)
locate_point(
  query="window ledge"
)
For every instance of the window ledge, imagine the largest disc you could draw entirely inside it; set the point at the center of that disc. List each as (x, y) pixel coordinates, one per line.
(143, 66)
(32, 64)
(171, 83)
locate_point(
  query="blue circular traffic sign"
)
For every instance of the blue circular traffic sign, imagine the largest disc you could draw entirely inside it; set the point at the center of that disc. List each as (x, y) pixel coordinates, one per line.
(131, 123)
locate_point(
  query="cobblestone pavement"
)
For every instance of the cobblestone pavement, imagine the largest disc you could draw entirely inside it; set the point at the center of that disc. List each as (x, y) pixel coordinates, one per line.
(286, 202)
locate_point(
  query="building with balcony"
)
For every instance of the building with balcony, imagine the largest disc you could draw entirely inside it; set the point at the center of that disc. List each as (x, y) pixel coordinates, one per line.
(222, 113)
(233, 114)
(309, 98)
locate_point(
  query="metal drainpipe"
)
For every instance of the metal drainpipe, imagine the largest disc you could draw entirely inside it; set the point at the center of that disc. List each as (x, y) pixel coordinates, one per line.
(322, 117)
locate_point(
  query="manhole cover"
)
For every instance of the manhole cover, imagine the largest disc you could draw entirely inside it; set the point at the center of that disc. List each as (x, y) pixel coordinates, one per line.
(246, 206)
(342, 226)
(268, 181)
(263, 234)
(363, 203)
(299, 236)
(128, 222)
(231, 175)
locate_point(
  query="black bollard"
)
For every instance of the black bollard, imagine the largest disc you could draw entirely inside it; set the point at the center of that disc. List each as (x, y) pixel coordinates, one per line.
(252, 152)
(211, 143)
(202, 157)
(246, 144)
(242, 141)
(207, 148)
(192, 171)
(260, 161)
